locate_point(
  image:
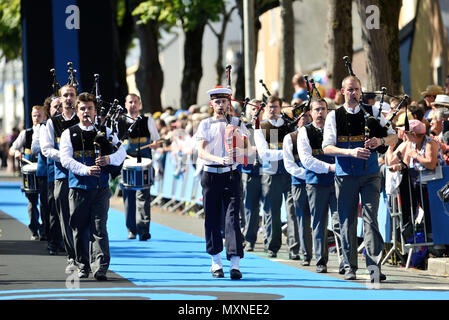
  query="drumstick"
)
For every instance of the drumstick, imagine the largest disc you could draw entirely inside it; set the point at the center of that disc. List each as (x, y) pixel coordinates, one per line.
(145, 146)
(157, 142)
(27, 161)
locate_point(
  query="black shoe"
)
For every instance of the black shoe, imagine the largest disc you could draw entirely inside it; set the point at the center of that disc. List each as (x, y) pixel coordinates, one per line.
(235, 274)
(83, 274)
(100, 276)
(350, 275)
(131, 235)
(341, 271)
(52, 252)
(35, 236)
(272, 254)
(321, 268)
(382, 277)
(294, 256)
(305, 263)
(144, 237)
(250, 247)
(218, 273)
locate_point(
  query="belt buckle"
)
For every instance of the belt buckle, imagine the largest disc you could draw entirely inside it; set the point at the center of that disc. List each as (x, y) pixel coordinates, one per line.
(219, 170)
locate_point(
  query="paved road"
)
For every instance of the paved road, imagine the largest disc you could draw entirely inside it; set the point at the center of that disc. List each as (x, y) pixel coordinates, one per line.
(173, 266)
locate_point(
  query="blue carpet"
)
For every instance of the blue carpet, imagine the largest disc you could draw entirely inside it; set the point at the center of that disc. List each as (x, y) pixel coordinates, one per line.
(176, 261)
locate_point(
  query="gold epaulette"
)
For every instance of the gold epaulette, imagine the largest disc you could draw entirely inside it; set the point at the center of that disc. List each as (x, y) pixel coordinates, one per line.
(275, 146)
(351, 138)
(137, 140)
(87, 154)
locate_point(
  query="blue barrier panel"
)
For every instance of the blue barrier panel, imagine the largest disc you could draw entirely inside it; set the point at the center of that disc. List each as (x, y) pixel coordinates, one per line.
(190, 183)
(177, 195)
(154, 190)
(383, 219)
(168, 180)
(438, 214)
(199, 193)
(283, 211)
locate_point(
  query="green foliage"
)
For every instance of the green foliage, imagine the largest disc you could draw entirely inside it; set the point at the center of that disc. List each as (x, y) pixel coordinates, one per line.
(189, 12)
(121, 11)
(10, 29)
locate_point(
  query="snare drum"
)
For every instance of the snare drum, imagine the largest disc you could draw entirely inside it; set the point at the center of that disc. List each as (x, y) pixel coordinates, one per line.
(29, 178)
(136, 176)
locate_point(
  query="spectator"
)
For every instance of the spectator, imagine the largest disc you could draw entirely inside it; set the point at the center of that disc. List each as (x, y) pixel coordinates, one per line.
(421, 153)
(299, 84)
(429, 95)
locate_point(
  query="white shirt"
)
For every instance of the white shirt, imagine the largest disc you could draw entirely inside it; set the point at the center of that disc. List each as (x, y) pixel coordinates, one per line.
(330, 127)
(305, 154)
(66, 153)
(213, 132)
(35, 145)
(154, 134)
(289, 160)
(265, 153)
(47, 140)
(19, 143)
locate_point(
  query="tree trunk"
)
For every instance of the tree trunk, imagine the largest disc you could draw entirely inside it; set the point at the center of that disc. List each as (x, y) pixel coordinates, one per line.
(193, 69)
(220, 38)
(240, 81)
(287, 50)
(381, 44)
(122, 37)
(149, 76)
(339, 40)
(219, 64)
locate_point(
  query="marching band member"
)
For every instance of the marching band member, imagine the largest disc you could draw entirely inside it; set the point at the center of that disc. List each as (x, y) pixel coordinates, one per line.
(137, 202)
(252, 184)
(89, 189)
(221, 184)
(276, 182)
(357, 176)
(41, 176)
(50, 140)
(46, 177)
(319, 184)
(297, 171)
(23, 142)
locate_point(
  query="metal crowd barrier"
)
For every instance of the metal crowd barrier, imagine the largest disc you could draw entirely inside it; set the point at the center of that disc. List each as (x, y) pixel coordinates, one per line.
(182, 190)
(185, 190)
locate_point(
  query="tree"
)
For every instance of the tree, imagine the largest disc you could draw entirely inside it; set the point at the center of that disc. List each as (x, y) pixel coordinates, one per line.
(260, 7)
(123, 30)
(220, 37)
(339, 40)
(149, 76)
(380, 35)
(193, 16)
(10, 29)
(287, 50)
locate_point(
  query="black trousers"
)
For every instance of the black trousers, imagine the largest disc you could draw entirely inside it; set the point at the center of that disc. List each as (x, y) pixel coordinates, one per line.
(222, 195)
(44, 208)
(54, 235)
(88, 219)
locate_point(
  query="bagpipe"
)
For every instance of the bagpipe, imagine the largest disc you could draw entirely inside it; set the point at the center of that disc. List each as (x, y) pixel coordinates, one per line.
(107, 117)
(373, 128)
(56, 86)
(235, 142)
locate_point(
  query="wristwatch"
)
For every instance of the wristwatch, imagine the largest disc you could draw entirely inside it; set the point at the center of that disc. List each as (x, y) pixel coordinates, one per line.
(382, 141)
